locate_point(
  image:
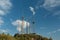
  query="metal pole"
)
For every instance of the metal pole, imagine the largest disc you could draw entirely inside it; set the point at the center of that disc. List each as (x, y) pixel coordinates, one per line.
(28, 27)
(33, 29)
(22, 30)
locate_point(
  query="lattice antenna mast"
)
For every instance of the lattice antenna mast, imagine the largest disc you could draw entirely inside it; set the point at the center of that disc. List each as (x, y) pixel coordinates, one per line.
(33, 29)
(29, 29)
(22, 29)
(28, 26)
(33, 23)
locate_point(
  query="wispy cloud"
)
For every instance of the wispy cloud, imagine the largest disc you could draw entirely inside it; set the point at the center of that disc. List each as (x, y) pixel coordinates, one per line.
(51, 3)
(18, 24)
(5, 6)
(4, 31)
(58, 30)
(53, 32)
(51, 6)
(32, 10)
(56, 13)
(1, 21)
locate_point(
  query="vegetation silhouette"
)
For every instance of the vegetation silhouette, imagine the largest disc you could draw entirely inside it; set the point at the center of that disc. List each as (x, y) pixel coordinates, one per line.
(17, 36)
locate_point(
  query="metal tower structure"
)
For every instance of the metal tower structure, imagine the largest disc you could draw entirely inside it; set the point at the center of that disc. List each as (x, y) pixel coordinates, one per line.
(31, 29)
(22, 30)
(28, 27)
(32, 26)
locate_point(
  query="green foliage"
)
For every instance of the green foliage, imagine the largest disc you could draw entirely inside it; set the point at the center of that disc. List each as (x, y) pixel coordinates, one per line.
(6, 37)
(29, 37)
(22, 37)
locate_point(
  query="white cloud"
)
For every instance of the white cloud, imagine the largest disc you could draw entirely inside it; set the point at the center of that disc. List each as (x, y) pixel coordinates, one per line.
(2, 12)
(1, 22)
(32, 10)
(49, 33)
(56, 13)
(51, 3)
(53, 32)
(51, 6)
(58, 30)
(5, 6)
(18, 24)
(3, 30)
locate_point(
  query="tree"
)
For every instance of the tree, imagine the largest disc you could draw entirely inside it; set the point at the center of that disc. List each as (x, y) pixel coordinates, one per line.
(50, 38)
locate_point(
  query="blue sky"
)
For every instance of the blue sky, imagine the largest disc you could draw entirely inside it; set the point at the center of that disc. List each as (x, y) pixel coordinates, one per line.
(46, 17)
